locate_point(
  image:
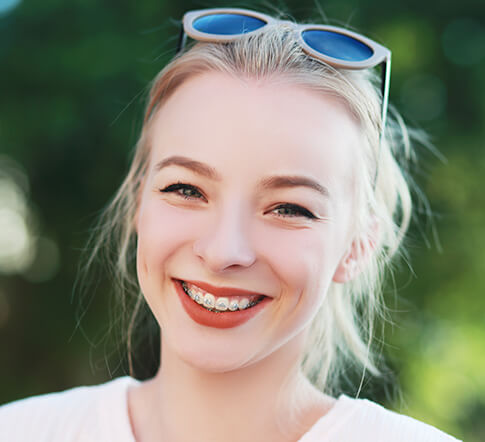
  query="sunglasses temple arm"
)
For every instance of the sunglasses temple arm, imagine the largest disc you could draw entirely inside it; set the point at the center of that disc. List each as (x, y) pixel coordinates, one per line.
(386, 81)
(182, 39)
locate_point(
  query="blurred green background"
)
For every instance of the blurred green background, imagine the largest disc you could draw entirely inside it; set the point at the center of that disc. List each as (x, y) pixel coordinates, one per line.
(72, 82)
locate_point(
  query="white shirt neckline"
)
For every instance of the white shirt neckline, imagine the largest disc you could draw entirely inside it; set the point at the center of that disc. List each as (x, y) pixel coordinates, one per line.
(329, 422)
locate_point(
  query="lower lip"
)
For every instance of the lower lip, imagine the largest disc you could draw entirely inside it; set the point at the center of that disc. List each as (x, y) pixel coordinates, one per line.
(217, 320)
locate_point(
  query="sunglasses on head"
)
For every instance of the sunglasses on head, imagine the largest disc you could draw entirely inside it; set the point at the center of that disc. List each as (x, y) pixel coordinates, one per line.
(335, 46)
(338, 47)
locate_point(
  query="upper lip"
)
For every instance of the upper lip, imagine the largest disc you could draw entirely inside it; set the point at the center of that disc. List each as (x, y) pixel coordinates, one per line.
(222, 291)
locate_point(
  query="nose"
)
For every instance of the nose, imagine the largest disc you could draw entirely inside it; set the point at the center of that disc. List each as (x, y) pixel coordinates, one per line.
(226, 243)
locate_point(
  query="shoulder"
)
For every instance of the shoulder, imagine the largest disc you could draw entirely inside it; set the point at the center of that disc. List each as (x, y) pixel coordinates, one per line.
(78, 414)
(364, 420)
(387, 423)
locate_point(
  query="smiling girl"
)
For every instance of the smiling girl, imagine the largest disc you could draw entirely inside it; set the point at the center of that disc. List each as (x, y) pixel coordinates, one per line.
(263, 203)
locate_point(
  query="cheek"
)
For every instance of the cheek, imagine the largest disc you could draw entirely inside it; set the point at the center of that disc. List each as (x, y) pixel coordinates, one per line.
(303, 260)
(162, 229)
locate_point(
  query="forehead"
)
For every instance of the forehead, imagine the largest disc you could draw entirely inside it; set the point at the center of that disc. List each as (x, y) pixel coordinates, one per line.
(264, 126)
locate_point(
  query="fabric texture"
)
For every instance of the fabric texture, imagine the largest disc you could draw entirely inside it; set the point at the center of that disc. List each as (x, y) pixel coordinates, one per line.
(100, 413)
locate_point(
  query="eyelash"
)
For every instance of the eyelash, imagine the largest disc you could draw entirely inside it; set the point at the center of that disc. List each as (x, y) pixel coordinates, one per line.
(301, 211)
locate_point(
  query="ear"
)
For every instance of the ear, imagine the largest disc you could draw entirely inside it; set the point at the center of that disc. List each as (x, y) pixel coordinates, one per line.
(361, 250)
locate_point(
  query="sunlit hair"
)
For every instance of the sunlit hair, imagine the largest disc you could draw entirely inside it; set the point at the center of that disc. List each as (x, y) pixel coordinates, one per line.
(342, 332)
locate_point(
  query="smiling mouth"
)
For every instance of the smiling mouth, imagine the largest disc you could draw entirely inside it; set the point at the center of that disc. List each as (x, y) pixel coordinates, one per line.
(218, 304)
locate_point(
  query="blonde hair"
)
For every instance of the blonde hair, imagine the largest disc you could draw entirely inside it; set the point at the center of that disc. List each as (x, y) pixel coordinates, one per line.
(342, 332)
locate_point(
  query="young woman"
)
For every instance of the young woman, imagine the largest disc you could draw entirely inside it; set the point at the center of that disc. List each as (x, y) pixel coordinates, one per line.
(263, 204)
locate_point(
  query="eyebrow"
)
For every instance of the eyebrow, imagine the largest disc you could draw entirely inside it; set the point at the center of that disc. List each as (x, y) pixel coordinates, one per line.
(273, 182)
(193, 165)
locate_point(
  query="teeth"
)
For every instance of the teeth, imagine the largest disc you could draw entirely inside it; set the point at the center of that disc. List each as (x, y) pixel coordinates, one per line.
(194, 294)
(213, 303)
(209, 300)
(233, 305)
(243, 303)
(222, 304)
(191, 293)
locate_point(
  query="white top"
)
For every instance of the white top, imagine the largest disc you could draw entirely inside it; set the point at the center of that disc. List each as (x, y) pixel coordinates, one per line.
(100, 413)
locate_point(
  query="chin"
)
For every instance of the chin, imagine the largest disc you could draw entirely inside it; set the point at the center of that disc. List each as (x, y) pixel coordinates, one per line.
(214, 358)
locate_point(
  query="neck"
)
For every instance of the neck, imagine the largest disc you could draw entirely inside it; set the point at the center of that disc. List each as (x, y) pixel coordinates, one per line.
(269, 400)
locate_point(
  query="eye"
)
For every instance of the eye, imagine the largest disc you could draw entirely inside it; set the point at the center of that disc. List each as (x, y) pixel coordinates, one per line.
(187, 191)
(293, 210)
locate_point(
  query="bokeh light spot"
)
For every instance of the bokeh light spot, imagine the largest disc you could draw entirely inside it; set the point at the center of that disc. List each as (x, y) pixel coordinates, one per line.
(17, 247)
(12, 196)
(424, 97)
(7, 5)
(412, 41)
(464, 42)
(16, 251)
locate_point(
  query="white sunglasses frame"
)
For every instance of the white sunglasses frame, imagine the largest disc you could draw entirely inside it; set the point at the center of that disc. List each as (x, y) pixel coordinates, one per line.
(381, 54)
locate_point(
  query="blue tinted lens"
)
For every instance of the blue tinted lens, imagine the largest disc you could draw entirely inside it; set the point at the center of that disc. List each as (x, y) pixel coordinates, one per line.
(227, 24)
(339, 46)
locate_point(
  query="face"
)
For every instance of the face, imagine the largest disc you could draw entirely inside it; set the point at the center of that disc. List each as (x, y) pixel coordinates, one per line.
(218, 207)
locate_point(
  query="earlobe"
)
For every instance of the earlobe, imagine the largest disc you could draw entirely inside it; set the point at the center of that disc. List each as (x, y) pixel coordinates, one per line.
(347, 270)
(361, 250)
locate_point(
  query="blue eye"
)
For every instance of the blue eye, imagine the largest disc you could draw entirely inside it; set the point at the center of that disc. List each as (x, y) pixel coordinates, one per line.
(188, 191)
(293, 210)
